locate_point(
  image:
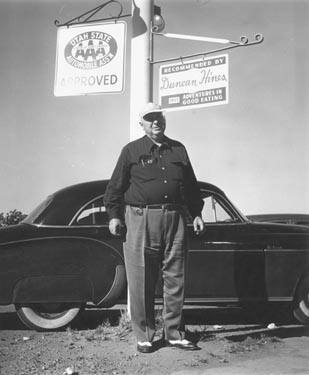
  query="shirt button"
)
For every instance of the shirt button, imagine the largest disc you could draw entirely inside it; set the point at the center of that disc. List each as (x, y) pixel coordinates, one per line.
(165, 181)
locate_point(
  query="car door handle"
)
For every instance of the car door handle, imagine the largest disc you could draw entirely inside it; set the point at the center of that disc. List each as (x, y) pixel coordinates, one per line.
(273, 247)
(220, 243)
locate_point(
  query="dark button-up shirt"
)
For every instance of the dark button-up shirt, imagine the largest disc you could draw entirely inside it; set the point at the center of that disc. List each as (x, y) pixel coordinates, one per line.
(148, 174)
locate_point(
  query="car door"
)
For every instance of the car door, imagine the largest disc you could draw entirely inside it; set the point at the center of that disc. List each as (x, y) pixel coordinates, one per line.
(226, 261)
(92, 220)
(105, 254)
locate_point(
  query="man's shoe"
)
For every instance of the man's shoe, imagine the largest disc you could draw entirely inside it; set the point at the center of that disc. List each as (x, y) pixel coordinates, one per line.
(145, 347)
(182, 344)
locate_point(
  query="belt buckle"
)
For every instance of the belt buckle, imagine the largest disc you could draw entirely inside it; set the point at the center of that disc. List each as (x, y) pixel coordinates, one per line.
(139, 211)
(167, 206)
(172, 206)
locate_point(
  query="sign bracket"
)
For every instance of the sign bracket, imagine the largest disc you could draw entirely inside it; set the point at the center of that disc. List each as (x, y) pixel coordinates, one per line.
(87, 16)
(244, 42)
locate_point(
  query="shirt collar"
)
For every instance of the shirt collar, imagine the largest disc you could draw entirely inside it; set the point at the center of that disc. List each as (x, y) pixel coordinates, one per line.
(151, 145)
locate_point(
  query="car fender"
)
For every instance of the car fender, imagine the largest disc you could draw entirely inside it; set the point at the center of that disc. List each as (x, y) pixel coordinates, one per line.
(301, 281)
(67, 268)
(116, 289)
(40, 289)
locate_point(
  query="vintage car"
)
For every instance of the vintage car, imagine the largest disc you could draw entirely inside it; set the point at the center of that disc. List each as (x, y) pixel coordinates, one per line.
(62, 258)
(298, 219)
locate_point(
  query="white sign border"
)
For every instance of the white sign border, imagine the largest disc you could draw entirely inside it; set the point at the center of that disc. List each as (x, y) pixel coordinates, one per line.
(195, 106)
(124, 60)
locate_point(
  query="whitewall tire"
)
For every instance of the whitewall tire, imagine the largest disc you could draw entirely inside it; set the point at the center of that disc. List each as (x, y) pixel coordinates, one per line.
(48, 316)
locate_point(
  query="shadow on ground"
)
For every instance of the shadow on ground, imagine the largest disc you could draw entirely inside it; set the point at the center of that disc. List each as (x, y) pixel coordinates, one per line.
(10, 321)
(235, 323)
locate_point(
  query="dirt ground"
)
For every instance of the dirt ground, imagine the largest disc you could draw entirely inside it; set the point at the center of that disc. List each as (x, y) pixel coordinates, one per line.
(101, 342)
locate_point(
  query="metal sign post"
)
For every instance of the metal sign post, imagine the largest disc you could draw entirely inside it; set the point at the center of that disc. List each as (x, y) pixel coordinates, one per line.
(141, 89)
(146, 22)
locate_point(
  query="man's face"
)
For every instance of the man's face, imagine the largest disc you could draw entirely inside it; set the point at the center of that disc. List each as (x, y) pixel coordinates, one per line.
(154, 125)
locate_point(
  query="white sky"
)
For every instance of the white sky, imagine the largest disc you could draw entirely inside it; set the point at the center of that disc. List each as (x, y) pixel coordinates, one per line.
(255, 148)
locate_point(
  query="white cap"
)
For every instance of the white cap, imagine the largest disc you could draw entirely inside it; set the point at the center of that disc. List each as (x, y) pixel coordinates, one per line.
(150, 108)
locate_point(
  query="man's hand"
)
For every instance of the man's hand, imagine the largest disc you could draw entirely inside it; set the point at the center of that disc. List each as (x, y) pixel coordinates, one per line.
(115, 227)
(198, 225)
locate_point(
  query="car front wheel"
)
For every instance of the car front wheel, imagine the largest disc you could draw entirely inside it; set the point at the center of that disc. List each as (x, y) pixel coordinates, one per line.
(47, 316)
(301, 311)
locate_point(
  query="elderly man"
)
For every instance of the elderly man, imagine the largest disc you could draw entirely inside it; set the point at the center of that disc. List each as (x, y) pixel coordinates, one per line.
(151, 189)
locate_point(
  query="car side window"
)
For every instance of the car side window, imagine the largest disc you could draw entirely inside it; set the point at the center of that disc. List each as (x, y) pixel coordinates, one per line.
(93, 214)
(214, 212)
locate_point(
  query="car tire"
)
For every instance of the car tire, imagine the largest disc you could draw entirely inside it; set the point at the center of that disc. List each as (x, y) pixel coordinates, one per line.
(48, 316)
(301, 311)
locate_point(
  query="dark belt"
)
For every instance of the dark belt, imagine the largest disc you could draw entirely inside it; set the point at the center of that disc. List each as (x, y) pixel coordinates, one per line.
(162, 206)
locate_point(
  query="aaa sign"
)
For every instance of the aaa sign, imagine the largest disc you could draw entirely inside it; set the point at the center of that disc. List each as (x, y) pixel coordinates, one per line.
(195, 83)
(90, 59)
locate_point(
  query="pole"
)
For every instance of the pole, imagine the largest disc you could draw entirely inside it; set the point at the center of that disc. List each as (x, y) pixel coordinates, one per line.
(141, 70)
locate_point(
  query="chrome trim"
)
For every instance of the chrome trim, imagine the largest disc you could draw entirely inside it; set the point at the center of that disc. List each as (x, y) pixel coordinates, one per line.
(85, 205)
(70, 226)
(235, 299)
(210, 299)
(221, 242)
(226, 250)
(61, 237)
(286, 250)
(276, 299)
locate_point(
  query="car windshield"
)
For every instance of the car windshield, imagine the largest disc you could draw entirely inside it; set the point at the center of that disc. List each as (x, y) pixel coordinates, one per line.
(243, 216)
(30, 219)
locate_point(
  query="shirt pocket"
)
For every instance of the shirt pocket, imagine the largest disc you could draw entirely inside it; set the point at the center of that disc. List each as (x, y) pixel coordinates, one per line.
(177, 168)
(145, 171)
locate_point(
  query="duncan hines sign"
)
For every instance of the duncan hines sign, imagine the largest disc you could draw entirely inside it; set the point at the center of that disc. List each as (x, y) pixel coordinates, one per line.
(195, 83)
(90, 59)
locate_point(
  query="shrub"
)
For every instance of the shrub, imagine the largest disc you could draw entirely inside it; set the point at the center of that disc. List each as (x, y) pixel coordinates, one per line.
(11, 218)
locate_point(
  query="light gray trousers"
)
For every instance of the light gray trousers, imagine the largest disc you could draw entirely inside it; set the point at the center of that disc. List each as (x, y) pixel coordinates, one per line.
(156, 238)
